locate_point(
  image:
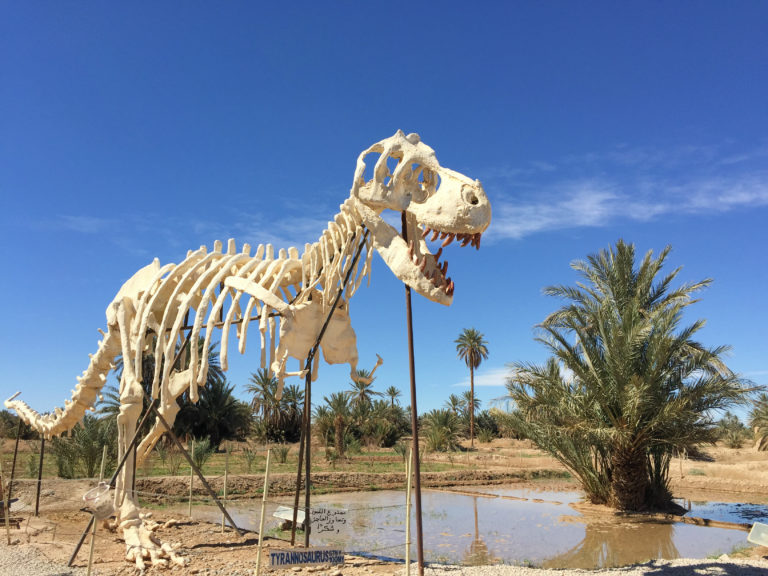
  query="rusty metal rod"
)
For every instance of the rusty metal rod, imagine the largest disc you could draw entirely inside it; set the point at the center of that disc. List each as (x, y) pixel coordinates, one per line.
(307, 422)
(113, 479)
(39, 476)
(414, 420)
(195, 468)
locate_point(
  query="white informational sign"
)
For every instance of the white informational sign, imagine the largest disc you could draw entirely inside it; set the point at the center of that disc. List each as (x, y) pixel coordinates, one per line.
(304, 556)
(325, 520)
(759, 534)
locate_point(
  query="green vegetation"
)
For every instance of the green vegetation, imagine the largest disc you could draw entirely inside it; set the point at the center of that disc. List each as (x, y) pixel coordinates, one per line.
(732, 431)
(758, 421)
(626, 384)
(79, 454)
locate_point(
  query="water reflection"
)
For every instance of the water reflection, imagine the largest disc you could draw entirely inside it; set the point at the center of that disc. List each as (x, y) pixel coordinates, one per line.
(478, 554)
(609, 544)
(506, 525)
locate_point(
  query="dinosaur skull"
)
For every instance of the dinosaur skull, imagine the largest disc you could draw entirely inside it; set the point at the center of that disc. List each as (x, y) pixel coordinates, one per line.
(439, 205)
(414, 177)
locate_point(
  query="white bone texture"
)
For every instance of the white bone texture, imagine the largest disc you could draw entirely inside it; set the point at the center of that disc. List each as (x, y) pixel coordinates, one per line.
(160, 307)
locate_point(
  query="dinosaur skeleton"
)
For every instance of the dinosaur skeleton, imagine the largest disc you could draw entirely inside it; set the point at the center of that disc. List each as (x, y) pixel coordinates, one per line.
(288, 295)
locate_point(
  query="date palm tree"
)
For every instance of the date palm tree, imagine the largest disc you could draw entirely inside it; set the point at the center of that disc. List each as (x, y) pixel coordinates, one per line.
(338, 404)
(393, 393)
(626, 384)
(758, 421)
(456, 404)
(362, 393)
(473, 349)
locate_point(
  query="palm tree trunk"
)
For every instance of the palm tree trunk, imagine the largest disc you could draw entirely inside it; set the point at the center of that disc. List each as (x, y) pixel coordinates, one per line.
(339, 439)
(629, 478)
(471, 407)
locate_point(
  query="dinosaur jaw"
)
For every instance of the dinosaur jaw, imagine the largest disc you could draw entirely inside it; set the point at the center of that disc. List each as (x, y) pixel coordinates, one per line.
(411, 261)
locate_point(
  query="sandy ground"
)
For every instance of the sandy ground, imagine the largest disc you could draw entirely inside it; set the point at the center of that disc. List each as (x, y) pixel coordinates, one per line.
(729, 475)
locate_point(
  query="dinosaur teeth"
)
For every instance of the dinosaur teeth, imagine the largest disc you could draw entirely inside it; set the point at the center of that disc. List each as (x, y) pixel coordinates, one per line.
(425, 232)
(448, 239)
(466, 239)
(439, 252)
(435, 234)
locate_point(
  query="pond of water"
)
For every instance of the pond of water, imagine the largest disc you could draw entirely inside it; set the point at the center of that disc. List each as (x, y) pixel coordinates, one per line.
(506, 525)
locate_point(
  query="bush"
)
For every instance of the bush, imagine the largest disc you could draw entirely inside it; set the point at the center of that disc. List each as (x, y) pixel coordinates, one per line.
(202, 450)
(484, 435)
(170, 457)
(281, 453)
(79, 454)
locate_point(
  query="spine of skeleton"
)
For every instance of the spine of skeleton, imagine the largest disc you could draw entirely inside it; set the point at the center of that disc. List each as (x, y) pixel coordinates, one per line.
(325, 261)
(83, 396)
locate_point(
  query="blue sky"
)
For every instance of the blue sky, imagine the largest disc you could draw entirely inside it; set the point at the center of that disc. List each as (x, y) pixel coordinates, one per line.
(141, 130)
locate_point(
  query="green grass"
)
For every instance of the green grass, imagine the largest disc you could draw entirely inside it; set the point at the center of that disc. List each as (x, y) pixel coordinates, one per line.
(375, 461)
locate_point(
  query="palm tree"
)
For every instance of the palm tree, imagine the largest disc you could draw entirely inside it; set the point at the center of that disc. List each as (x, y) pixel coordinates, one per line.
(292, 408)
(338, 404)
(442, 428)
(758, 421)
(263, 386)
(217, 414)
(467, 397)
(473, 349)
(362, 393)
(456, 404)
(626, 385)
(393, 393)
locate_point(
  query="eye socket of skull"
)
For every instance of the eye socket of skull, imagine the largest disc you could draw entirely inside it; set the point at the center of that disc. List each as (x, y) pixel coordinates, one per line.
(469, 195)
(420, 182)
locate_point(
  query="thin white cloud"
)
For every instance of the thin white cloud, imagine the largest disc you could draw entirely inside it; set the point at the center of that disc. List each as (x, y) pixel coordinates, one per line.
(637, 185)
(83, 224)
(489, 377)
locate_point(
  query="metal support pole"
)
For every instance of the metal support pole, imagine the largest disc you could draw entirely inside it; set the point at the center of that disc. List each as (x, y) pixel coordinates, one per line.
(307, 422)
(414, 420)
(13, 466)
(39, 476)
(308, 458)
(113, 479)
(195, 468)
(298, 475)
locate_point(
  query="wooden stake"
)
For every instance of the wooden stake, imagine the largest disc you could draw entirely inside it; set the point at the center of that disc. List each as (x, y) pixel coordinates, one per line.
(13, 466)
(226, 474)
(261, 518)
(93, 533)
(408, 473)
(191, 477)
(7, 510)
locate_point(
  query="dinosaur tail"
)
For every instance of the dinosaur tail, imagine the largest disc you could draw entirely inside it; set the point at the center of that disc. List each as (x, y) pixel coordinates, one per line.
(83, 396)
